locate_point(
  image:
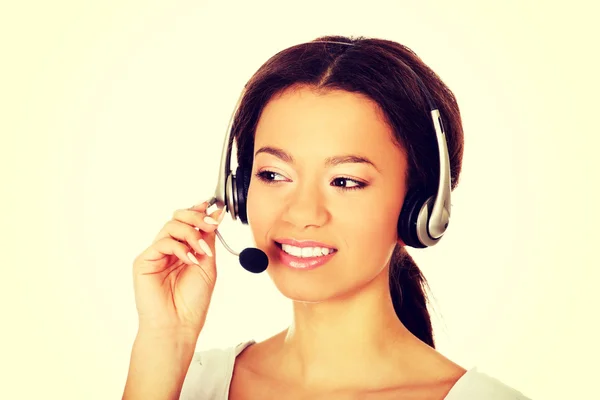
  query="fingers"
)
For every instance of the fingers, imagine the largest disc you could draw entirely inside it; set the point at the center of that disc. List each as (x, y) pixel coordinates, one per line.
(188, 235)
(183, 232)
(196, 219)
(169, 247)
(200, 207)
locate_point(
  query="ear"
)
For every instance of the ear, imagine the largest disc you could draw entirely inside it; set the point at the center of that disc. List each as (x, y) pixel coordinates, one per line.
(401, 242)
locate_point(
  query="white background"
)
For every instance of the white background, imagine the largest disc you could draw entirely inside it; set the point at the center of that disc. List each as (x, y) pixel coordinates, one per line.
(113, 114)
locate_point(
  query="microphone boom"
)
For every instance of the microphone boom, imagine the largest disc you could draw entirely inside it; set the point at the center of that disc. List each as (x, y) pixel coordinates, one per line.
(252, 259)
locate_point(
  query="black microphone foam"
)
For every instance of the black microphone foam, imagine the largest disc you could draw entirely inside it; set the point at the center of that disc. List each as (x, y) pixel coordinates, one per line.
(254, 260)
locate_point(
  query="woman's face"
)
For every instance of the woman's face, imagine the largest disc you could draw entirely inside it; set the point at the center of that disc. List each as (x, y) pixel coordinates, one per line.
(307, 184)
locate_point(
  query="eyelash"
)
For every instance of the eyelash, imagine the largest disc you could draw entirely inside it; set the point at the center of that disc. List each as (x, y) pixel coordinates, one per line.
(359, 185)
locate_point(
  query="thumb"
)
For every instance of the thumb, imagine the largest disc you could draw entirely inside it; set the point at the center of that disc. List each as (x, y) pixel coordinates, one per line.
(218, 214)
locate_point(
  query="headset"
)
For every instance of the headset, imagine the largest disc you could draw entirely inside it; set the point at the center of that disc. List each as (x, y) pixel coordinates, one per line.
(424, 216)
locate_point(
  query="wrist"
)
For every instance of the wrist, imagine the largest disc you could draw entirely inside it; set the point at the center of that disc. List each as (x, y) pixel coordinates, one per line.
(179, 334)
(159, 363)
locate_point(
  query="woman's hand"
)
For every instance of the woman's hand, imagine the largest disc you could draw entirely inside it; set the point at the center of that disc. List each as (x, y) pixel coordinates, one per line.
(175, 277)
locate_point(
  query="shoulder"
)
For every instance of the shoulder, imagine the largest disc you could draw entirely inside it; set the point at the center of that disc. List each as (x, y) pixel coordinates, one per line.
(209, 373)
(478, 385)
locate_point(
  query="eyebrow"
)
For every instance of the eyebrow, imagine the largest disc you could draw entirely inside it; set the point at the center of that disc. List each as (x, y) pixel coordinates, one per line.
(329, 161)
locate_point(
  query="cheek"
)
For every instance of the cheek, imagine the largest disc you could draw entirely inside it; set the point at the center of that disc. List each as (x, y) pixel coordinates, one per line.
(372, 229)
(260, 211)
(374, 214)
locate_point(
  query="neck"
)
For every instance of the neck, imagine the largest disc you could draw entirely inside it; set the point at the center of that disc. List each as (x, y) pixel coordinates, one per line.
(338, 342)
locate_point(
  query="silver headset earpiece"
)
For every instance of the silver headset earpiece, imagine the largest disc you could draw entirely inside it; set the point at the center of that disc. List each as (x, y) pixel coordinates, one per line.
(431, 227)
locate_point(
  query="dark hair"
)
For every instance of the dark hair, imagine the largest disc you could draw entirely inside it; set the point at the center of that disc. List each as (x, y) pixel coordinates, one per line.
(378, 69)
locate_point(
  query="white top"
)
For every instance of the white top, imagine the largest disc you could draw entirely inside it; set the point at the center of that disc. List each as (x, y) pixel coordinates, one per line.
(210, 372)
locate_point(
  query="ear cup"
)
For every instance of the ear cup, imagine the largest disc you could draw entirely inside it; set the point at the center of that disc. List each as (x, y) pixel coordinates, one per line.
(242, 183)
(407, 222)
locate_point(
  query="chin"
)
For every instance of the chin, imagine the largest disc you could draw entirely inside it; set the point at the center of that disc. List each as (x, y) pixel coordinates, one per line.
(304, 296)
(311, 286)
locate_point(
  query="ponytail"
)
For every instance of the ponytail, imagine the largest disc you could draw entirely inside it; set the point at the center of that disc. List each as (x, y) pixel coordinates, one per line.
(407, 288)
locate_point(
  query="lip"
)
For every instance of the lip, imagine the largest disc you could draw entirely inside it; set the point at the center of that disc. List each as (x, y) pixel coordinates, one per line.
(305, 264)
(303, 243)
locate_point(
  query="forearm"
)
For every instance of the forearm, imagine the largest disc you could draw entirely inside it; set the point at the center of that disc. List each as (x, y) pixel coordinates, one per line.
(159, 363)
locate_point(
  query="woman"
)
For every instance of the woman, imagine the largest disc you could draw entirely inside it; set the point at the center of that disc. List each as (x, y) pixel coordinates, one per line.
(361, 328)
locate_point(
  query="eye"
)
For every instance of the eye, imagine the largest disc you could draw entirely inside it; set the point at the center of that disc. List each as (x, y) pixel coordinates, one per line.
(343, 183)
(268, 176)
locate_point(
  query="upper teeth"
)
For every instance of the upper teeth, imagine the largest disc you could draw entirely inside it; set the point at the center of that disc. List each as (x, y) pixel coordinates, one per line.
(306, 251)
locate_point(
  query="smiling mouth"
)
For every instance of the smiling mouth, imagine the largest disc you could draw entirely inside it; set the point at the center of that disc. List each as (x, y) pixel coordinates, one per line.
(305, 252)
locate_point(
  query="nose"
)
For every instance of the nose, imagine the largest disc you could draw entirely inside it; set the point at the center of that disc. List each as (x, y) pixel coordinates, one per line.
(305, 207)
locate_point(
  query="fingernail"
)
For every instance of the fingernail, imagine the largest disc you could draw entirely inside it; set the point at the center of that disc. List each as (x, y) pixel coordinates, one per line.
(210, 220)
(221, 216)
(205, 247)
(193, 258)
